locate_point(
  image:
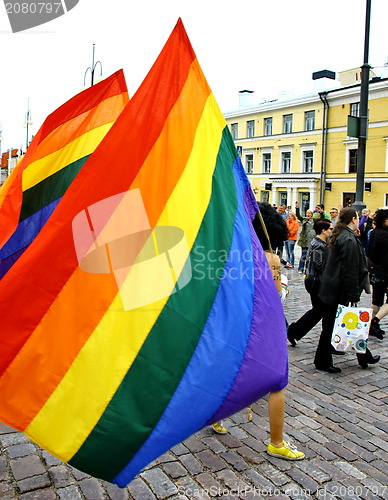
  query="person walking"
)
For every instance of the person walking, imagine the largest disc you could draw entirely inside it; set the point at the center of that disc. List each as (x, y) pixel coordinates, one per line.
(365, 225)
(271, 234)
(314, 267)
(293, 227)
(378, 256)
(344, 276)
(305, 236)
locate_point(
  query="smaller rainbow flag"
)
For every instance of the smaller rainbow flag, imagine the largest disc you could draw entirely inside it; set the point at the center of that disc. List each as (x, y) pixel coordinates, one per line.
(55, 156)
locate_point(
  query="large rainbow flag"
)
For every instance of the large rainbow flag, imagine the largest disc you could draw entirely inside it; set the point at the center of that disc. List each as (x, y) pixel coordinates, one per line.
(144, 309)
(55, 156)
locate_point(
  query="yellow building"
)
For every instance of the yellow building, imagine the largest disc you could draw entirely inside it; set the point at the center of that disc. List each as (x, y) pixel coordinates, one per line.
(298, 148)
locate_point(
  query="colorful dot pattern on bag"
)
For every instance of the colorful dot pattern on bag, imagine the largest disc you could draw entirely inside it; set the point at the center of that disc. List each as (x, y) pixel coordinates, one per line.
(350, 321)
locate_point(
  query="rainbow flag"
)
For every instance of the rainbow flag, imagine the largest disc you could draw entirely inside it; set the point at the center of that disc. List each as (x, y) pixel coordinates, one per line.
(55, 156)
(144, 310)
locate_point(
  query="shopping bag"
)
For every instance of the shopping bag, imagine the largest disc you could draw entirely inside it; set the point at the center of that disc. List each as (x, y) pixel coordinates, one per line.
(351, 329)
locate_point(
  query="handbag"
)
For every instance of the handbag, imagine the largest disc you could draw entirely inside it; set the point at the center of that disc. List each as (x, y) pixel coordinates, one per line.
(351, 329)
(376, 274)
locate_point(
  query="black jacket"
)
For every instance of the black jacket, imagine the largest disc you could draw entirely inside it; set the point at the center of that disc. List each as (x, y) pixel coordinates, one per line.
(345, 270)
(314, 264)
(378, 247)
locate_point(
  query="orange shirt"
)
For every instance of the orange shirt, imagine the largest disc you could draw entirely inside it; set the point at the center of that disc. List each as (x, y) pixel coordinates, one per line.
(293, 226)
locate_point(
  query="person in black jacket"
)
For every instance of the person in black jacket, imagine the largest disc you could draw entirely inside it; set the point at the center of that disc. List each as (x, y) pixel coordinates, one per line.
(344, 276)
(378, 255)
(314, 266)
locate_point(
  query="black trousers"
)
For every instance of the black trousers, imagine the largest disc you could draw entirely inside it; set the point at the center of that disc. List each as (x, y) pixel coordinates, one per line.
(323, 357)
(309, 319)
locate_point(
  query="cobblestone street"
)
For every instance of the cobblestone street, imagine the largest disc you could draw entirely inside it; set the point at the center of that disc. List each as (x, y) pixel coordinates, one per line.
(340, 421)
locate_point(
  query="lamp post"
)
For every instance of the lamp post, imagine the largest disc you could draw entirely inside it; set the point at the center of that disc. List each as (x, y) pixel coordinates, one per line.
(92, 69)
(359, 204)
(27, 121)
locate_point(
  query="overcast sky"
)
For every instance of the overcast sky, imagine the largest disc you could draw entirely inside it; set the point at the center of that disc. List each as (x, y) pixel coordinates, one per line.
(266, 46)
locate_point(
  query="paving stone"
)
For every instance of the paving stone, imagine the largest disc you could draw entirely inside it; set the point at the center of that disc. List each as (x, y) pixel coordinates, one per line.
(230, 441)
(27, 467)
(342, 452)
(13, 438)
(166, 457)
(47, 494)
(233, 482)
(3, 469)
(305, 481)
(250, 455)
(201, 489)
(7, 492)
(139, 490)
(380, 443)
(277, 477)
(61, 476)
(20, 450)
(314, 471)
(50, 459)
(256, 444)
(210, 460)
(69, 493)
(194, 444)
(192, 465)
(174, 469)
(214, 444)
(350, 470)
(179, 449)
(360, 450)
(114, 492)
(160, 484)
(234, 460)
(34, 483)
(92, 489)
(259, 481)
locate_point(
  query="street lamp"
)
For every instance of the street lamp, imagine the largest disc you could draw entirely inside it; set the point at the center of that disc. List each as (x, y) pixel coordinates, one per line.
(92, 69)
(359, 204)
(27, 121)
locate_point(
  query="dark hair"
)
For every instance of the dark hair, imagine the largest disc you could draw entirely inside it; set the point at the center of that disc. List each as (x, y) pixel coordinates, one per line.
(321, 205)
(320, 225)
(345, 217)
(381, 216)
(275, 224)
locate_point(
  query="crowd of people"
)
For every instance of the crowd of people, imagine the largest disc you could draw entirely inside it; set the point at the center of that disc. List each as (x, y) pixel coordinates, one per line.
(347, 255)
(342, 256)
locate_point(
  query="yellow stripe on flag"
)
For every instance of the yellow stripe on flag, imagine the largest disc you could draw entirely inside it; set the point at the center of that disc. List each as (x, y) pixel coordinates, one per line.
(82, 146)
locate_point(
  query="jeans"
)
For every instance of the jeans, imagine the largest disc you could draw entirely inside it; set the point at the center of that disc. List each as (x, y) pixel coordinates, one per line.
(302, 259)
(290, 244)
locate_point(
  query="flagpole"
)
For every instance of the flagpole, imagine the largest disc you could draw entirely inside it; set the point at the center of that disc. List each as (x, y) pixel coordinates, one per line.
(92, 69)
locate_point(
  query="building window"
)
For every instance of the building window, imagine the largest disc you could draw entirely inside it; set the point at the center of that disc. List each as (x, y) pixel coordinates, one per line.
(264, 195)
(267, 158)
(287, 124)
(353, 161)
(355, 109)
(309, 120)
(267, 126)
(308, 161)
(234, 129)
(283, 198)
(286, 162)
(250, 128)
(249, 163)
